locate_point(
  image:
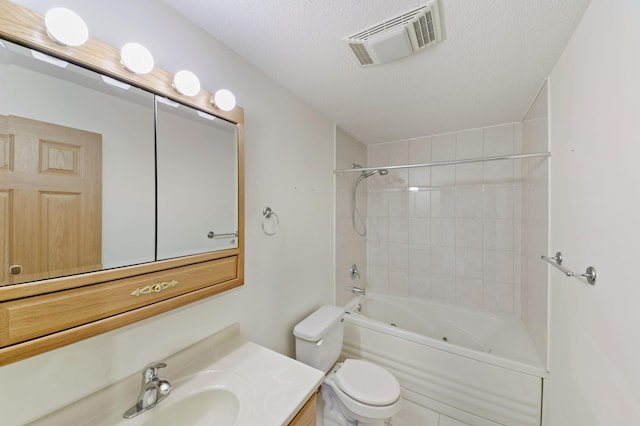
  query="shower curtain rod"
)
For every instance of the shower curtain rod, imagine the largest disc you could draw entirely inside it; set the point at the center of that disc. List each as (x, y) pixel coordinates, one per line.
(447, 163)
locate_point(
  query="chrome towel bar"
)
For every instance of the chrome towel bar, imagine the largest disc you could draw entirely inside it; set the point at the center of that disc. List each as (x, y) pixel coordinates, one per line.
(212, 234)
(590, 274)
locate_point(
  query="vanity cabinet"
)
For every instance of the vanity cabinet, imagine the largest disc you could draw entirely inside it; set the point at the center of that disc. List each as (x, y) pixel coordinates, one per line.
(32, 317)
(152, 248)
(307, 414)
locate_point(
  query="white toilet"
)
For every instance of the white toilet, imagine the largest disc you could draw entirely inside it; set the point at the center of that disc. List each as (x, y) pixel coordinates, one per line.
(354, 392)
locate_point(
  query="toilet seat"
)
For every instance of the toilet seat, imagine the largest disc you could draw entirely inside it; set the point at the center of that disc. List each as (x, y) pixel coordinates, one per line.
(353, 408)
(367, 383)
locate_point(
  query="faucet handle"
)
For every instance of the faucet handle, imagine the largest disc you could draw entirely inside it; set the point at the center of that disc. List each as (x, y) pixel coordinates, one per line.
(150, 372)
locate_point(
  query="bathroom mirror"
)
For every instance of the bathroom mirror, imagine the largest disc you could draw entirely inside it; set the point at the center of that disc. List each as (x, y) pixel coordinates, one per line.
(197, 181)
(77, 169)
(100, 132)
(146, 244)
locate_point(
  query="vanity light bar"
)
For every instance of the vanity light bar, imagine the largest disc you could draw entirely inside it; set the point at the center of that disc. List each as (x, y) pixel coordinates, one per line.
(224, 100)
(186, 83)
(136, 58)
(67, 28)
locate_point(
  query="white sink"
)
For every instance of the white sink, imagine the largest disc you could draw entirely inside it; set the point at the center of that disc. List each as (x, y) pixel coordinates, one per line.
(211, 406)
(222, 380)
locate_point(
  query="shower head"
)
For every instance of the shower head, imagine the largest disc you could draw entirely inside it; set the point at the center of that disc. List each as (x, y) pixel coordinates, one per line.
(383, 172)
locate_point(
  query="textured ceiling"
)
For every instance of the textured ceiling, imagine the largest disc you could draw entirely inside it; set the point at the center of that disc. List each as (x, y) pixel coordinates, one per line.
(487, 70)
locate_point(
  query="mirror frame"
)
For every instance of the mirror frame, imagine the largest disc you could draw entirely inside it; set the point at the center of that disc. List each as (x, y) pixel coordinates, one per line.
(25, 27)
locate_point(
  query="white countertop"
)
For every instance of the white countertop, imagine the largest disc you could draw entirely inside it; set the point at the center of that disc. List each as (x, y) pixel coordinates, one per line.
(271, 387)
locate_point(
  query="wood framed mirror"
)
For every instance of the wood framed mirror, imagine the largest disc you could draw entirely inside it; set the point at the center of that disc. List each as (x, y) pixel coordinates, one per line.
(120, 276)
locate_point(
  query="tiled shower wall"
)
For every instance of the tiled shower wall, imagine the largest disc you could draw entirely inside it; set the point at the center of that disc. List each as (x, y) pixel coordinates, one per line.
(448, 233)
(535, 224)
(469, 235)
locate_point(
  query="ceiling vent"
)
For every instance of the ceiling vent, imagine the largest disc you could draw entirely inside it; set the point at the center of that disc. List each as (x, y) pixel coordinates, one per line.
(395, 38)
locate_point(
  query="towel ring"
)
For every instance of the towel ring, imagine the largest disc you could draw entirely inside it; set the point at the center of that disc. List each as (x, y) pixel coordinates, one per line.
(266, 214)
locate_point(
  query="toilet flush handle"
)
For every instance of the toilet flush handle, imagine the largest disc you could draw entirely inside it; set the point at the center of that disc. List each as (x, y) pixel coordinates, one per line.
(319, 342)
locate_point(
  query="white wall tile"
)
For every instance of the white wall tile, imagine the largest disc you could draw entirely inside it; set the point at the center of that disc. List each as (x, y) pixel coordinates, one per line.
(377, 204)
(443, 260)
(498, 202)
(499, 297)
(419, 203)
(398, 153)
(398, 203)
(395, 179)
(377, 229)
(420, 177)
(420, 150)
(499, 140)
(399, 255)
(469, 201)
(469, 144)
(443, 203)
(443, 231)
(458, 227)
(469, 174)
(498, 265)
(498, 234)
(469, 262)
(468, 233)
(378, 155)
(399, 281)
(378, 279)
(420, 286)
(469, 292)
(419, 260)
(499, 172)
(378, 253)
(419, 231)
(399, 229)
(443, 288)
(443, 147)
(443, 176)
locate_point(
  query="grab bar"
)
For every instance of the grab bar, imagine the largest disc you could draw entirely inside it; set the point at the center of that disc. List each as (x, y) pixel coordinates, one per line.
(556, 262)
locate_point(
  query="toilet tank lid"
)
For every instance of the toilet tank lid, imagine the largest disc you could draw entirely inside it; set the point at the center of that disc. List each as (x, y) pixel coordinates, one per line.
(316, 325)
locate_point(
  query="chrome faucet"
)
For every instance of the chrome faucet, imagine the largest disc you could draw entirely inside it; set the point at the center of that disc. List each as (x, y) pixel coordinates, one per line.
(154, 390)
(354, 272)
(357, 290)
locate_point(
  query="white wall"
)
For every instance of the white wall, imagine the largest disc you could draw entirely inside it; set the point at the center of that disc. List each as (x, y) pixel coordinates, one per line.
(289, 161)
(595, 211)
(351, 248)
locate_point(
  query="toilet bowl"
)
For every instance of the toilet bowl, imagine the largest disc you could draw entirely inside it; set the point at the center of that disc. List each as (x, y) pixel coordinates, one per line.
(354, 392)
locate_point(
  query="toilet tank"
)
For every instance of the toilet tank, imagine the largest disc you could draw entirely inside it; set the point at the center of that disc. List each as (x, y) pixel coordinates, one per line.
(319, 337)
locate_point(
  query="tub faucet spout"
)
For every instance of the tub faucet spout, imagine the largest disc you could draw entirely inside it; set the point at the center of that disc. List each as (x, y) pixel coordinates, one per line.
(357, 290)
(154, 390)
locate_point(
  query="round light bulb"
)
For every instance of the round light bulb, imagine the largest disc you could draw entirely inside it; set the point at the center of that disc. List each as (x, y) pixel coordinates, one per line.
(66, 27)
(224, 100)
(186, 83)
(136, 58)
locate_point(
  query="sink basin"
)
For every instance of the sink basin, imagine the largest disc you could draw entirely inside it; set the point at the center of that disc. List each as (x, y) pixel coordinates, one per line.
(206, 407)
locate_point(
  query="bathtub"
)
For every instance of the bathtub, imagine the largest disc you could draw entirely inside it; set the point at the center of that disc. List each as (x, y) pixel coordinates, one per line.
(479, 368)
